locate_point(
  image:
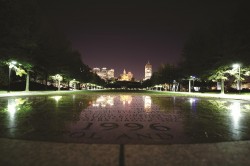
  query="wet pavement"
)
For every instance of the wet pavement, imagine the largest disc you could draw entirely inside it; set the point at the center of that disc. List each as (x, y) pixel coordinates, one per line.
(125, 130)
(124, 119)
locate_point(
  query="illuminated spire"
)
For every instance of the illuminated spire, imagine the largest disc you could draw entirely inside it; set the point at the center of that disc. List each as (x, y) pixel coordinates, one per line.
(148, 71)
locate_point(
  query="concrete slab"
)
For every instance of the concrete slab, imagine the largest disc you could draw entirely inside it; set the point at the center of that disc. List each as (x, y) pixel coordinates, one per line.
(30, 153)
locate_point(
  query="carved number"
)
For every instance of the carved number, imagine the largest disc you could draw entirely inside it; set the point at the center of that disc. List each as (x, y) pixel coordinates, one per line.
(133, 126)
(157, 126)
(109, 126)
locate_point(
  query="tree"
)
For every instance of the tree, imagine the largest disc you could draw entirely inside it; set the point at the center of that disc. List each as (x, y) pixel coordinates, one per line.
(221, 42)
(167, 73)
(221, 74)
(58, 78)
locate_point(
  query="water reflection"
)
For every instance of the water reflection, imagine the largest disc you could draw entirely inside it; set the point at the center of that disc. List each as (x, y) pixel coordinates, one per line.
(56, 98)
(235, 110)
(103, 101)
(124, 119)
(15, 105)
(147, 103)
(126, 99)
(193, 102)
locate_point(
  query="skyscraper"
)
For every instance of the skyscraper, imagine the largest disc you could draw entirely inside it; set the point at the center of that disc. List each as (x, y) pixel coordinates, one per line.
(148, 71)
(104, 73)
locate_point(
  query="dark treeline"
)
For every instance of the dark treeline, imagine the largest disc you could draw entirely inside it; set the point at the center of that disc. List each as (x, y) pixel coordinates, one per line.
(210, 51)
(28, 38)
(221, 42)
(166, 74)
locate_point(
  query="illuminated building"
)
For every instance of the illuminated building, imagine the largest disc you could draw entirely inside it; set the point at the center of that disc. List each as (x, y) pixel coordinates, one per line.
(104, 73)
(126, 76)
(148, 71)
(111, 73)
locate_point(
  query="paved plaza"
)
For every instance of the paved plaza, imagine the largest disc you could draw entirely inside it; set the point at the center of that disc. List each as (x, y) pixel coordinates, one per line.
(123, 129)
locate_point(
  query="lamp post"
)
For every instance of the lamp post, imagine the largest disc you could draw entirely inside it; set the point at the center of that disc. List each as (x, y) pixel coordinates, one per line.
(189, 83)
(11, 65)
(237, 66)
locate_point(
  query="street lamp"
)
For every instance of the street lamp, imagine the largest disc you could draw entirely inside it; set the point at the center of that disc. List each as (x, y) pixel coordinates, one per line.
(11, 65)
(189, 83)
(237, 66)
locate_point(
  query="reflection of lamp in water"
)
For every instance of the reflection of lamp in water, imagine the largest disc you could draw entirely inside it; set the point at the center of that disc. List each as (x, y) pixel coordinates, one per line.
(57, 98)
(12, 108)
(12, 111)
(125, 98)
(235, 111)
(13, 105)
(236, 114)
(192, 103)
(147, 103)
(191, 100)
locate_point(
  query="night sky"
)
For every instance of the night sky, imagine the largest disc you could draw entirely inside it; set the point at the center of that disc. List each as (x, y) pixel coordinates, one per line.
(126, 35)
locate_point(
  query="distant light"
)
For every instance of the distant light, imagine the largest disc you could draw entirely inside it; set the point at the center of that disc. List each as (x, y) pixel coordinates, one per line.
(13, 62)
(192, 76)
(236, 65)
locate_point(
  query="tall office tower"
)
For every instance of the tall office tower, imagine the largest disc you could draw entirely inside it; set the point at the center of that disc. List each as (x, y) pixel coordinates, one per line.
(148, 71)
(111, 73)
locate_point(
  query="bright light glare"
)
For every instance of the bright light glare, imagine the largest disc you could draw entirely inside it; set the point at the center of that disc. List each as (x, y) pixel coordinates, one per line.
(13, 62)
(235, 111)
(12, 108)
(236, 65)
(236, 115)
(57, 98)
(191, 100)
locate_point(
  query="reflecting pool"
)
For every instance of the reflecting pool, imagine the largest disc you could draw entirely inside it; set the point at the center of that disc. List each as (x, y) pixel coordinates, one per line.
(124, 119)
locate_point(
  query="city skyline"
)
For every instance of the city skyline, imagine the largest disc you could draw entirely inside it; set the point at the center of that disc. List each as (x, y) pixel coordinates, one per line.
(108, 73)
(126, 35)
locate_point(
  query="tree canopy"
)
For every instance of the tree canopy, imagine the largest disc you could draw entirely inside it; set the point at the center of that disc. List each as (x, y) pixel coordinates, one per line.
(220, 43)
(28, 38)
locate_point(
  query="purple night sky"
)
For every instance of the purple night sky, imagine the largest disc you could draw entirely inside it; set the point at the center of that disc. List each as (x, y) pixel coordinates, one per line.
(128, 35)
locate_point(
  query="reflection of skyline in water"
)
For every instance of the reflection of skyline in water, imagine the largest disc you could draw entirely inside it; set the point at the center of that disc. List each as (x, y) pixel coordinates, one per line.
(147, 103)
(103, 101)
(201, 119)
(107, 100)
(126, 99)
